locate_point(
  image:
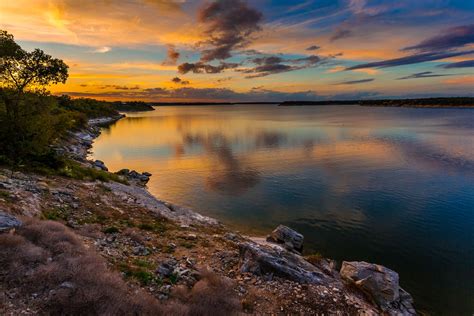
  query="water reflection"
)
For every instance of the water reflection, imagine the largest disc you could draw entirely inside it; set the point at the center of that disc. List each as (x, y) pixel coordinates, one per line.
(388, 185)
(230, 175)
(269, 139)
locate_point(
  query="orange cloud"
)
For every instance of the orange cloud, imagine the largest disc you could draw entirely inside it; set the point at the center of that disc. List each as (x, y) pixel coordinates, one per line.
(464, 80)
(99, 23)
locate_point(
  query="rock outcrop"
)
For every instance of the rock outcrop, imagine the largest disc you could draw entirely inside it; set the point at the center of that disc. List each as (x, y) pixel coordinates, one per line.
(265, 260)
(138, 178)
(100, 165)
(288, 238)
(8, 222)
(381, 284)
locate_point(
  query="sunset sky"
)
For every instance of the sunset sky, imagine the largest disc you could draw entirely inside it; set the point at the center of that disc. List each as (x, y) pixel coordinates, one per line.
(255, 50)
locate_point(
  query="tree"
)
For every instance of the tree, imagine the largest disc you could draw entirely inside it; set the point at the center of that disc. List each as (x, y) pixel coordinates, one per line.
(26, 124)
(21, 70)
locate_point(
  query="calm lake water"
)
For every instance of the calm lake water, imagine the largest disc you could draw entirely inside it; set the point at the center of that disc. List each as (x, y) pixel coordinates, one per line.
(393, 186)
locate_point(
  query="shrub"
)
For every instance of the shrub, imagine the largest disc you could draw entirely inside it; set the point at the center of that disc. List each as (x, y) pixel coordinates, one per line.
(74, 170)
(45, 257)
(141, 275)
(212, 295)
(54, 214)
(111, 230)
(43, 120)
(154, 226)
(314, 259)
(89, 107)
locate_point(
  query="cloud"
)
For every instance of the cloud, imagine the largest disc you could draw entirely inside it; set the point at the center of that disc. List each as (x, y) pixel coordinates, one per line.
(421, 75)
(451, 38)
(460, 64)
(224, 79)
(230, 24)
(172, 56)
(98, 23)
(269, 65)
(267, 60)
(200, 68)
(111, 86)
(355, 81)
(313, 47)
(335, 69)
(102, 50)
(462, 81)
(367, 71)
(190, 94)
(200, 94)
(178, 80)
(340, 34)
(412, 59)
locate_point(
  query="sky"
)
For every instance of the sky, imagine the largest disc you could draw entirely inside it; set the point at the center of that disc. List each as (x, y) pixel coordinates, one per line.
(252, 50)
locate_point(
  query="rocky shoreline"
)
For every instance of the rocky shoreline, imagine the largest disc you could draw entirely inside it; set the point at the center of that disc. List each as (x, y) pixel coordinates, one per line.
(171, 245)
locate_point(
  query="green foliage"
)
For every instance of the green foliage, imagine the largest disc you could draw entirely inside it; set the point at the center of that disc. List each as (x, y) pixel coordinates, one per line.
(140, 274)
(132, 106)
(74, 170)
(20, 69)
(31, 120)
(55, 214)
(111, 230)
(40, 125)
(5, 195)
(168, 249)
(8, 47)
(143, 263)
(174, 278)
(187, 244)
(89, 107)
(154, 226)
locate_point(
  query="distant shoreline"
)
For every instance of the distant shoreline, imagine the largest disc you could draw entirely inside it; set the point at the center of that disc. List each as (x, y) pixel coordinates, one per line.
(206, 103)
(454, 102)
(459, 102)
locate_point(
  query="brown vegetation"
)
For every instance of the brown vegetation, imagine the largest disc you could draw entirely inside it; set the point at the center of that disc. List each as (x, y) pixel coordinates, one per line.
(48, 266)
(212, 295)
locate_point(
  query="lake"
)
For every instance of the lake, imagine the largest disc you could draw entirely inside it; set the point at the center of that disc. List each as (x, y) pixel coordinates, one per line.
(393, 186)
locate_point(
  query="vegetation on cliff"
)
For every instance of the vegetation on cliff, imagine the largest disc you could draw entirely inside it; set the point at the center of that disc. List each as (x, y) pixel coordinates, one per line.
(32, 120)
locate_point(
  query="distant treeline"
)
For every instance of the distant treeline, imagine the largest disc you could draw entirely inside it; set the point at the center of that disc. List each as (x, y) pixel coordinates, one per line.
(132, 106)
(423, 102)
(206, 103)
(327, 102)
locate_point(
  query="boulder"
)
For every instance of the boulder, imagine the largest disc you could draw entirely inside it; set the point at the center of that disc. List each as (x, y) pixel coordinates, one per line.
(287, 237)
(167, 267)
(123, 172)
(381, 284)
(141, 178)
(8, 222)
(99, 164)
(266, 260)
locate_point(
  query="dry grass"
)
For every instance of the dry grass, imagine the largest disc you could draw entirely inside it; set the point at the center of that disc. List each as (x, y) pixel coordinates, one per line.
(46, 259)
(211, 295)
(314, 259)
